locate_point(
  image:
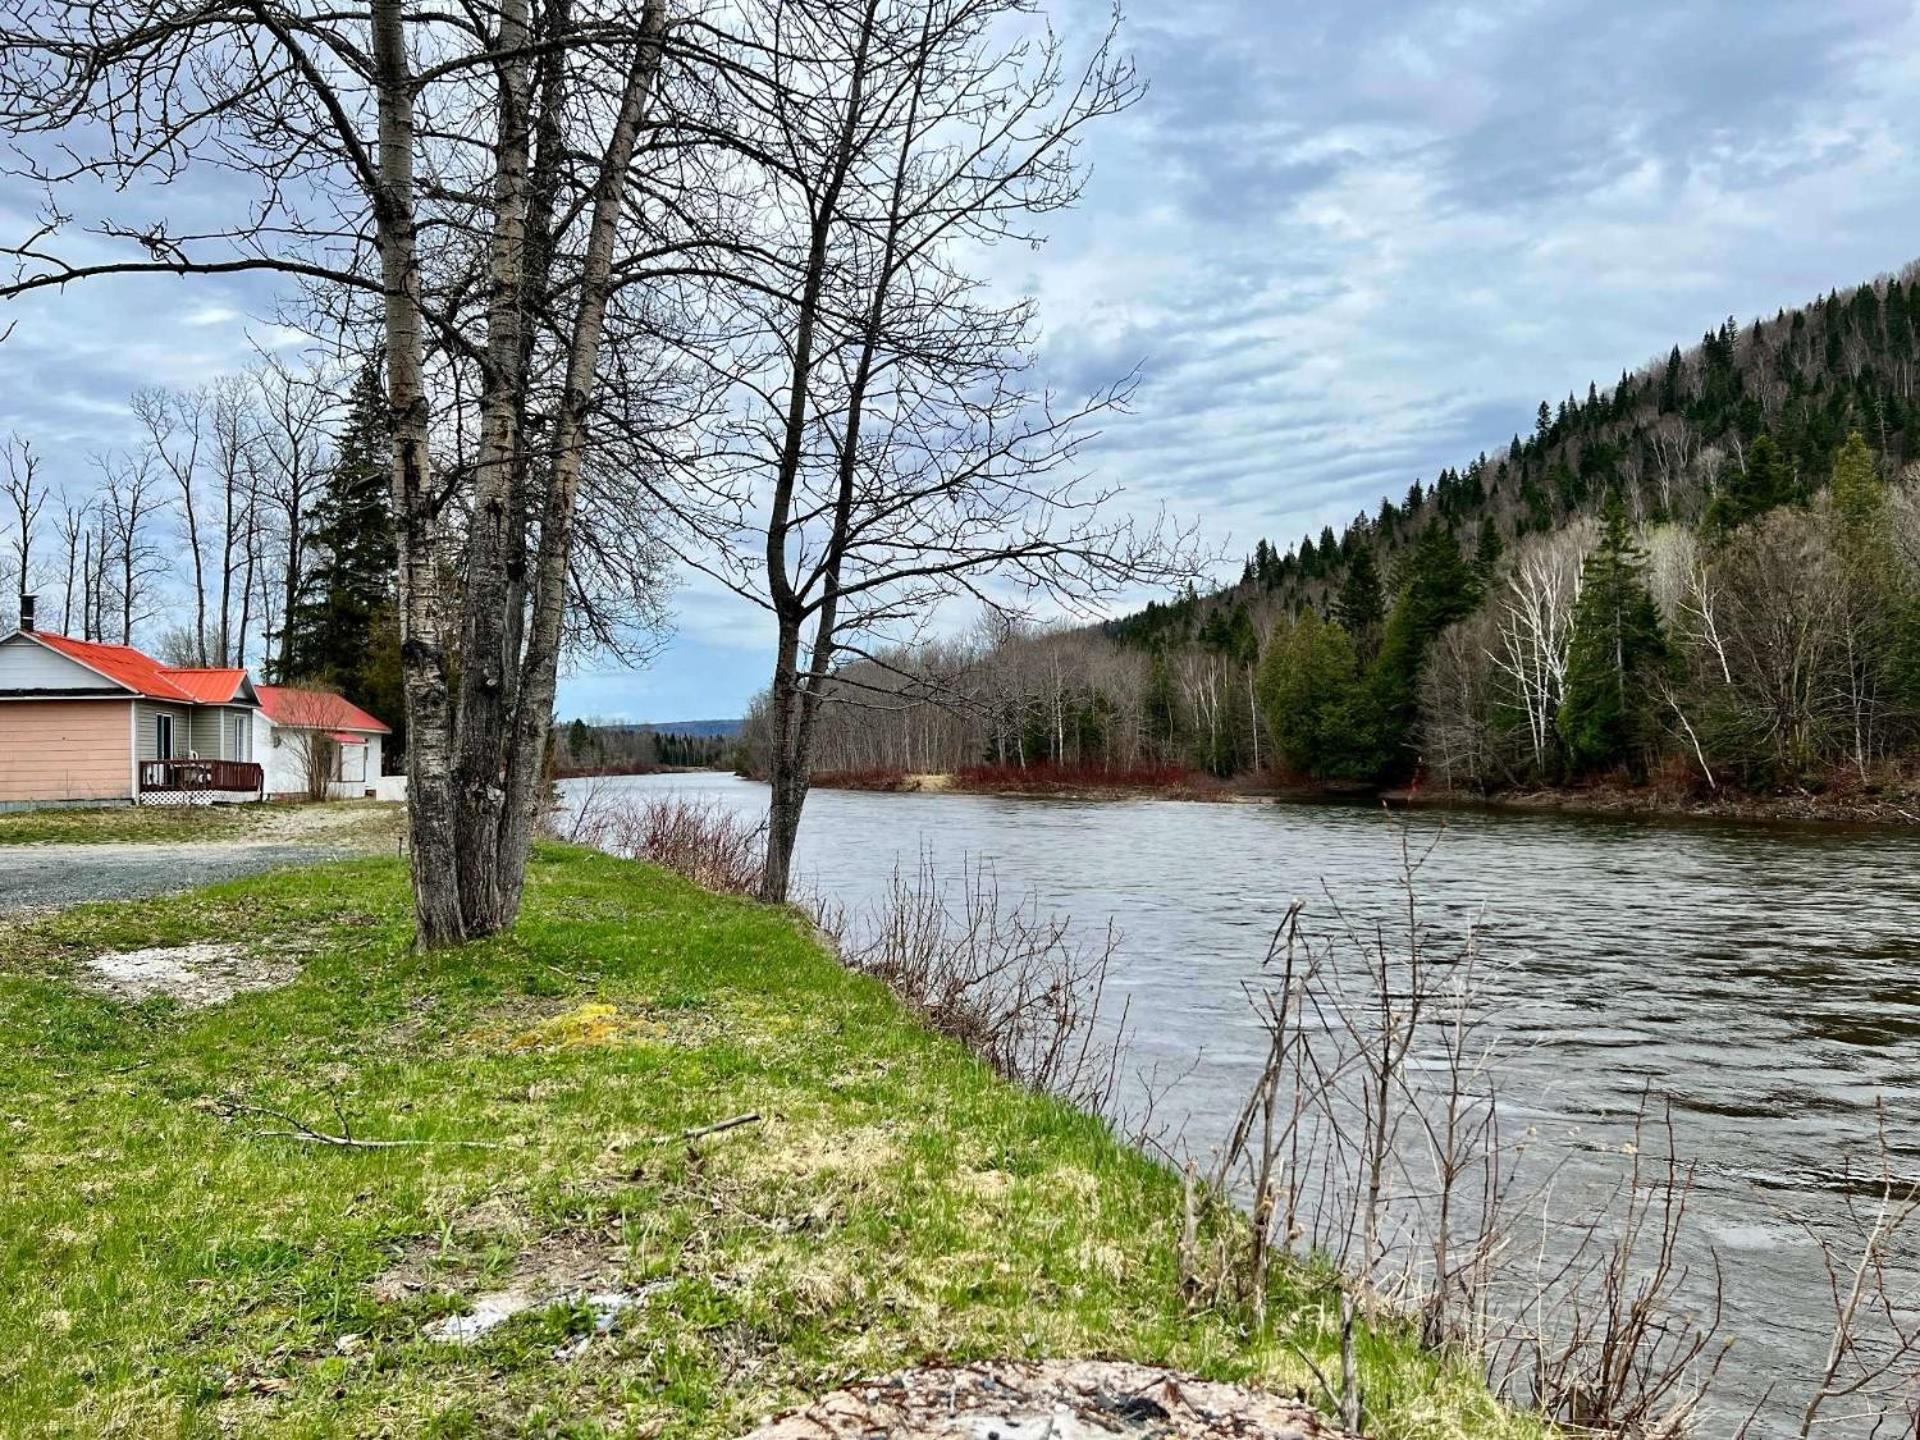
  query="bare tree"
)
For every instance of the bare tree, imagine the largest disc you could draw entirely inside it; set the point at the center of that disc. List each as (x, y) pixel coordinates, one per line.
(235, 439)
(75, 541)
(26, 493)
(175, 424)
(297, 409)
(1536, 628)
(303, 727)
(128, 558)
(897, 446)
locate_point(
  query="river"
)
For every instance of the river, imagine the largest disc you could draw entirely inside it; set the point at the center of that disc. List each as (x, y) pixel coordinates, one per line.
(1763, 978)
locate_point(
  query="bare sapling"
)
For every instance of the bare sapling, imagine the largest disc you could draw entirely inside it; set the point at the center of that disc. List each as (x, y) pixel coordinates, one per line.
(1603, 1339)
(1872, 1364)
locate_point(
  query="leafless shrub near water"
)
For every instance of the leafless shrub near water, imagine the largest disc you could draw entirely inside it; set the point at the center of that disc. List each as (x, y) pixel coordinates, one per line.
(709, 844)
(1371, 1144)
(1017, 987)
(1870, 1379)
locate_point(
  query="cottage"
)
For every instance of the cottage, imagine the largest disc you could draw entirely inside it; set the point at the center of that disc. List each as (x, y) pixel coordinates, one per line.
(314, 744)
(86, 723)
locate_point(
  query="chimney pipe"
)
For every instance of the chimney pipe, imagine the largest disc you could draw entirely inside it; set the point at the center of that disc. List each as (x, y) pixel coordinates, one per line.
(26, 612)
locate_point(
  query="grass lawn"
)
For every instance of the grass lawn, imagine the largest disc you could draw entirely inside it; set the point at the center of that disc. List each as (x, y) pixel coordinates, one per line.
(170, 1270)
(356, 823)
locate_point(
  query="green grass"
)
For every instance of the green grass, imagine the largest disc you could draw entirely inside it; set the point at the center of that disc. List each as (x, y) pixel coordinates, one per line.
(168, 1270)
(127, 823)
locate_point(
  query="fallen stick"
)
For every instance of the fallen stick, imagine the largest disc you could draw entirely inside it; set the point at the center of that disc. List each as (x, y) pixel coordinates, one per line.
(346, 1140)
(700, 1132)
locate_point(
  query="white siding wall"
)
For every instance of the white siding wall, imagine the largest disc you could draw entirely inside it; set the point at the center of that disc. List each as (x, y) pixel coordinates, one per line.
(286, 763)
(284, 775)
(28, 665)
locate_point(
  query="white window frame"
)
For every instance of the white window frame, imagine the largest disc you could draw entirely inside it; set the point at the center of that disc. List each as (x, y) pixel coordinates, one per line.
(162, 727)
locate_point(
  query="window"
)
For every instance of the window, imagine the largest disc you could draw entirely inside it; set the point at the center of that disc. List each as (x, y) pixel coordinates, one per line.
(353, 764)
(239, 736)
(163, 737)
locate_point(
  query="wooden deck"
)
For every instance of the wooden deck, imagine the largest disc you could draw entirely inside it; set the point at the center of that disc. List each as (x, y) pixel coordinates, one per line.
(200, 781)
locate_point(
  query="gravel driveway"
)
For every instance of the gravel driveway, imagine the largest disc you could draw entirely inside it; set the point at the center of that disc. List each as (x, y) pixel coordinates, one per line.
(34, 877)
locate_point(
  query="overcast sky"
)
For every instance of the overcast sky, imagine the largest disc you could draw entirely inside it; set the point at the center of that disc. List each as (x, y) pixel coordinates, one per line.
(1348, 245)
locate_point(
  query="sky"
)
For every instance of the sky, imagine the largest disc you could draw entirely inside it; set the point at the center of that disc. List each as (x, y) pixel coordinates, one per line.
(1346, 245)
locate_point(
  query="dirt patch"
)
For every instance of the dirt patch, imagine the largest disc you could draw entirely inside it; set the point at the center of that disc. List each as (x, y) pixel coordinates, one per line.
(196, 975)
(1058, 1400)
(330, 821)
(562, 1269)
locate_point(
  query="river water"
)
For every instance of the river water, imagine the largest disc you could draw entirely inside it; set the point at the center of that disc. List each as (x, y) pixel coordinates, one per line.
(1763, 978)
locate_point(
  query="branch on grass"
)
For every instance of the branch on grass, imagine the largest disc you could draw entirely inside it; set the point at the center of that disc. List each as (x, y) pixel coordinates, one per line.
(298, 1129)
(700, 1132)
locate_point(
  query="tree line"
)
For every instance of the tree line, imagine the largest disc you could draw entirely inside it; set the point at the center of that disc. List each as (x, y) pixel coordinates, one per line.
(588, 748)
(1710, 571)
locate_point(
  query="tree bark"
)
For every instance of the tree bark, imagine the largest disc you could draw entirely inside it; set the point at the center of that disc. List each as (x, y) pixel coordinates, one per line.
(485, 659)
(430, 807)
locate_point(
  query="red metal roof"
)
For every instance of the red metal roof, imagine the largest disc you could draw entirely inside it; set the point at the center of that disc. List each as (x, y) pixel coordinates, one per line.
(315, 710)
(209, 687)
(121, 664)
(142, 674)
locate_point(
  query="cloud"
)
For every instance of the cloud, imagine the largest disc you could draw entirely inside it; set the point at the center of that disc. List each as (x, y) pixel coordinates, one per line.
(1347, 245)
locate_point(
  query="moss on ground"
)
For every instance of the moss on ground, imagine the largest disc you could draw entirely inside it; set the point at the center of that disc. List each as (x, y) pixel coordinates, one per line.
(170, 1269)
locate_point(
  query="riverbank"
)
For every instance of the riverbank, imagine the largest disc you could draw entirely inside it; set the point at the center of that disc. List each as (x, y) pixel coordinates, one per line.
(520, 1237)
(1842, 800)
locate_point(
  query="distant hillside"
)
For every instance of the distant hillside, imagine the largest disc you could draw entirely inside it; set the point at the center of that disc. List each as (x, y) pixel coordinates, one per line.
(719, 729)
(1665, 438)
(1705, 576)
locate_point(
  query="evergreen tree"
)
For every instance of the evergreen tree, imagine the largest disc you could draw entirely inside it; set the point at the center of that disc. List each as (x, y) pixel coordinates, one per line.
(579, 741)
(1310, 691)
(1361, 603)
(1439, 588)
(1766, 481)
(345, 628)
(1607, 711)
(1160, 706)
(1487, 553)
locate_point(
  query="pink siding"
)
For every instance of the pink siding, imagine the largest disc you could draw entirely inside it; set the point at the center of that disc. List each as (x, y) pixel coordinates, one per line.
(65, 750)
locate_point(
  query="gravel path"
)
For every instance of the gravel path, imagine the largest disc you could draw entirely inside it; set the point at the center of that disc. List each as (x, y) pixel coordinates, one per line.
(36, 877)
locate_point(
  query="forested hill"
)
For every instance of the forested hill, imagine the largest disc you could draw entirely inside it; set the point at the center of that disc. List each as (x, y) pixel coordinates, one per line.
(1747, 417)
(1707, 572)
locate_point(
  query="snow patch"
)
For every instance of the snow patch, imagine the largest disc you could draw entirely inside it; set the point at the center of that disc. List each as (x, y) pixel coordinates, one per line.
(196, 975)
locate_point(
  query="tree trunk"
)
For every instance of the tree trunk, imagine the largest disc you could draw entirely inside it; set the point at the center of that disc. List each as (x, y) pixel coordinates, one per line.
(430, 814)
(787, 780)
(526, 775)
(484, 657)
